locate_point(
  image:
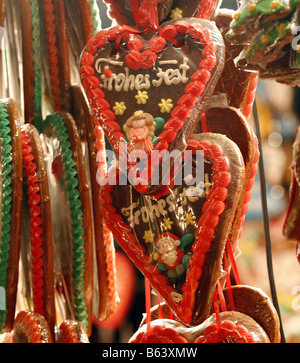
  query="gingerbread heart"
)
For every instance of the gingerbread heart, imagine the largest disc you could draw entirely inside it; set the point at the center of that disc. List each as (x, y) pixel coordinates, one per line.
(233, 327)
(177, 237)
(247, 310)
(148, 89)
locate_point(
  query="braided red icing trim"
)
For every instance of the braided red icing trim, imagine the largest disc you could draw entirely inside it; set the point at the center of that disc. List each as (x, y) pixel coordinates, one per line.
(115, 12)
(193, 91)
(35, 224)
(49, 19)
(251, 97)
(248, 193)
(31, 326)
(212, 209)
(159, 334)
(205, 9)
(228, 330)
(72, 332)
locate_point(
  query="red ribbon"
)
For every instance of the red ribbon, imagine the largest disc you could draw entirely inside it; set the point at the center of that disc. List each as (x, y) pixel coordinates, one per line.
(145, 13)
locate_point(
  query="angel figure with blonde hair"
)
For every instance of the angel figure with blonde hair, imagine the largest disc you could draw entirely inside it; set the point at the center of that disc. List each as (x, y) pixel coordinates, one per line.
(140, 130)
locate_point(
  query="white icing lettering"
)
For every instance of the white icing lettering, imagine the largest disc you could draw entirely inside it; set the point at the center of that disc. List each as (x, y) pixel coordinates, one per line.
(126, 81)
(162, 207)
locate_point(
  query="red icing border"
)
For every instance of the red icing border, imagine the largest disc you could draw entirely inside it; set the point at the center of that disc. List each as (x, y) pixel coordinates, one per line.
(158, 334)
(33, 326)
(228, 330)
(193, 91)
(205, 9)
(51, 40)
(35, 224)
(212, 209)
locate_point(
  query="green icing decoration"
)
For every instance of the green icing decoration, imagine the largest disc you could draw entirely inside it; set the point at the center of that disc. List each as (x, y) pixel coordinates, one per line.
(162, 267)
(263, 7)
(95, 15)
(273, 36)
(56, 122)
(185, 261)
(154, 140)
(6, 181)
(186, 240)
(37, 67)
(160, 123)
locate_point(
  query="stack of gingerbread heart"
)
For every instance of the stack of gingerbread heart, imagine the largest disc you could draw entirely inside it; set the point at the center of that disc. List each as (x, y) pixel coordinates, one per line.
(266, 30)
(183, 163)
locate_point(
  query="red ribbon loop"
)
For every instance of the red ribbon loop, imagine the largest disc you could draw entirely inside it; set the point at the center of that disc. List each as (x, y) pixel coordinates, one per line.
(145, 13)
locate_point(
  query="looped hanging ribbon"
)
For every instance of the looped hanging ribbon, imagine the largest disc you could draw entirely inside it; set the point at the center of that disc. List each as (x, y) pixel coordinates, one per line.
(145, 13)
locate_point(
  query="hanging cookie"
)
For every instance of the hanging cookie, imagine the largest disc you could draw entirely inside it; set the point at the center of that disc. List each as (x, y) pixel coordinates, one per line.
(255, 303)
(291, 228)
(11, 209)
(37, 242)
(32, 66)
(132, 81)
(106, 302)
(2, 12)
(72, 220)
(236, 87)
(252, 15)
(231, 123)
(231, 327)
(168, 236)
(71, 332)
(58, 63)
(32, 328)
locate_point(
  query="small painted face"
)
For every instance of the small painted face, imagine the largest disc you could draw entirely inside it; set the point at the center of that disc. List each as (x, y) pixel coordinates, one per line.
(136, 124)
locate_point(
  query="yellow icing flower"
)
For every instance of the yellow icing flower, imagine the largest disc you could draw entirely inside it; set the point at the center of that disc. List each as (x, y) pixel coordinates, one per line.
(167, 225)
(252, 7)
(176, 14)
(237, 15)
(119, 108)
(142, 97)
(265, 38)
(189, 219)
(274, 4)
(149, 237)
(250, 47)
(166, 105)
(281, 28)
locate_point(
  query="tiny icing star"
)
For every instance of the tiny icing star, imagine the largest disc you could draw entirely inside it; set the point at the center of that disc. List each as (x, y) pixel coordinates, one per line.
(176, 14)
(119, 108)
(167, 224)
(189, 219)
(149, 236)
(165, 106)
(142, 97)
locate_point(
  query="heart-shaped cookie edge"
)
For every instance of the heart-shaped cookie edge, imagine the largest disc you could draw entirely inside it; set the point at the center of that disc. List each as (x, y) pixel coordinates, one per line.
(128, 241)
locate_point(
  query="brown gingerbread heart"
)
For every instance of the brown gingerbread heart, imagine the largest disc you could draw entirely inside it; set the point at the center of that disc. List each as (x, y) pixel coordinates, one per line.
(148, 89)
(230, 327)
(177, 238)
